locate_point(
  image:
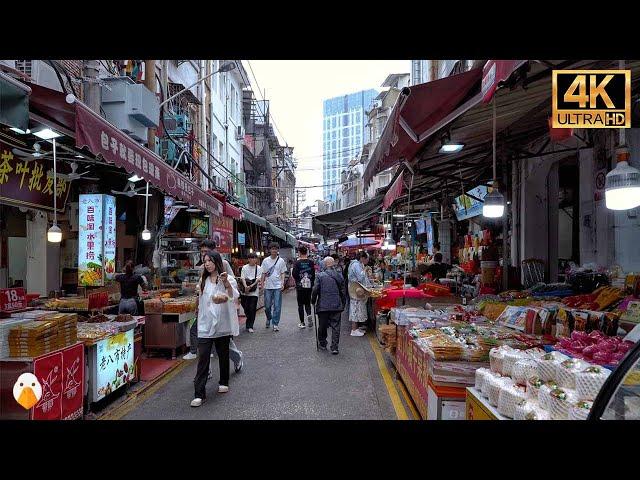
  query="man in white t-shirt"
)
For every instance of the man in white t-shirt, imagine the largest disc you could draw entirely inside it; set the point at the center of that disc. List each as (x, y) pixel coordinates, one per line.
(273, 270)
(251, 277)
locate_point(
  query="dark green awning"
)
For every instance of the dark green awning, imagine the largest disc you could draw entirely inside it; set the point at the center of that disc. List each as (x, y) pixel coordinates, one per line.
(291, 240)
(278, 232)
(14, 103)
(253, 218)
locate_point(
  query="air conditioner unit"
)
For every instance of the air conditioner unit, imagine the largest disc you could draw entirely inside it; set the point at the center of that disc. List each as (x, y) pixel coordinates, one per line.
(176, 125)
(168, 150)
(41, 73)
(239, 133)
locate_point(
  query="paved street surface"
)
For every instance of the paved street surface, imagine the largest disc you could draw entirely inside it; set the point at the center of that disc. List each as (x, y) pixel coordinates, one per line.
(283, 378)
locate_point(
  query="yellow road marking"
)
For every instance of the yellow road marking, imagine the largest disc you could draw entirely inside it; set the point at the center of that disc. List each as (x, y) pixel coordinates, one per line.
(408, 400)
(401, 413)
(130, 404)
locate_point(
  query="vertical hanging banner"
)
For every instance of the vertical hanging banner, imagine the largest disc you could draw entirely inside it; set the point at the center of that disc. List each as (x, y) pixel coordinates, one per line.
(96, 239)
(109, 256)
(222, 233)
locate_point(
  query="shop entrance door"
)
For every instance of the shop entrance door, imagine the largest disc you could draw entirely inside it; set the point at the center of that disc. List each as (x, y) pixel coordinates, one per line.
(17, 261)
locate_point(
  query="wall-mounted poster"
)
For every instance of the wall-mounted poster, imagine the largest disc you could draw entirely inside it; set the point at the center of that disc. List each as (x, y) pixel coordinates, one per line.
(467, 207)
(96, 239)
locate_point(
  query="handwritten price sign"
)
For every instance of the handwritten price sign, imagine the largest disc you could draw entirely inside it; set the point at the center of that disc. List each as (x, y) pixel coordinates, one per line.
(12, 299)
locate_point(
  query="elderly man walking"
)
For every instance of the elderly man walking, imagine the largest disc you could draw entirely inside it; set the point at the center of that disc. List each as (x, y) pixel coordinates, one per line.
(328, 295)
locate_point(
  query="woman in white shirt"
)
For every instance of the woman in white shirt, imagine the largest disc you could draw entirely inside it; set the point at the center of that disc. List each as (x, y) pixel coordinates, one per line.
(217, 323)
(250, 275)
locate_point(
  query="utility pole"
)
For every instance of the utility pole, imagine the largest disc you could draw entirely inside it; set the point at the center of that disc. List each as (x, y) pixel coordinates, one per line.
(91, 87)
(150, 83)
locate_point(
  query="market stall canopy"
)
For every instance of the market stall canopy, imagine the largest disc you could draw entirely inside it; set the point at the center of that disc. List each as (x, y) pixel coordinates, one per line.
(277, 232)
(14, 103)
(50, 107)
(103, 139)
(358, 242)
(418, 110)
(291, 240)
(253, 218)
(394, 192)
(349, 220)
(232, 211)
(521, 118)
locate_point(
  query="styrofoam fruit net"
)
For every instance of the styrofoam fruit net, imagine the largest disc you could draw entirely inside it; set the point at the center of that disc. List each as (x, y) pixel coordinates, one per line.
(487, 381)
(481, 375)
(544, 395)
(508, 361)
(537, 414)
(523, 369)
(580, 411)
(590, 381)
(523, 408)
(547, 365)
(495, 385)
(509, 398)
(566, 372)
(533, 388)
(561, 400)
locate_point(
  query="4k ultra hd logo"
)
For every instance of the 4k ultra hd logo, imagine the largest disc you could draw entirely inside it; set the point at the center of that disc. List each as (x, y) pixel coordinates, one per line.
(591, 99)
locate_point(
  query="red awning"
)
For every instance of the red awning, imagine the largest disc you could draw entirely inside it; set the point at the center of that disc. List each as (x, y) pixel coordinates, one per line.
(494, 72)
(50, 105)
(419, 112)
(394, 192)
(114, 146)
(232, 211)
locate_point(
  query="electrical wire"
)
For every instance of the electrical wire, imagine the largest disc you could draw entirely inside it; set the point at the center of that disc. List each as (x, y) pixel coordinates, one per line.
(270, 115)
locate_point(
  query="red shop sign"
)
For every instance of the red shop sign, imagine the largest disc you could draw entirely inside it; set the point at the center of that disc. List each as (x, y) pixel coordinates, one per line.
(48, 371)
(12, 299)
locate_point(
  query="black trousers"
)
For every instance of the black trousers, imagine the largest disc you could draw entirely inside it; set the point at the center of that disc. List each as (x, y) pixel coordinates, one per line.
(193, 338)
(205, 345)
(329, 319)
(304, 302)
(249, 305)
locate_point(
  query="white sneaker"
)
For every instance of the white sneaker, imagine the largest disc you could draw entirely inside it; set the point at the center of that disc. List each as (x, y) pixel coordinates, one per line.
(275, 328)
(223, 389)
(189, 356)
(251, 330)
(301, 325)
(196, 402)
(357, 333)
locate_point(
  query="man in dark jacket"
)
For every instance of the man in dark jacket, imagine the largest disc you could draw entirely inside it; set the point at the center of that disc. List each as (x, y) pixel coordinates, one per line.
(328, 295)
(304, 274)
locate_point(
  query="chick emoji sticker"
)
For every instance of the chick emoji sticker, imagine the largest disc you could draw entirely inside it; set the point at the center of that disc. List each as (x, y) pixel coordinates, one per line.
(27, 390)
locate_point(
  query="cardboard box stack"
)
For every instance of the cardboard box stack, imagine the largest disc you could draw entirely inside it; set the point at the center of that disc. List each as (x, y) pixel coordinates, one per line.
(50, 333)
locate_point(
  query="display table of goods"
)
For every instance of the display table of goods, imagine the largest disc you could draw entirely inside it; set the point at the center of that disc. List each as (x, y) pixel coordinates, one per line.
(438, 352)
(98, 327)
(47, 334)
(167, 322)
(536, 385)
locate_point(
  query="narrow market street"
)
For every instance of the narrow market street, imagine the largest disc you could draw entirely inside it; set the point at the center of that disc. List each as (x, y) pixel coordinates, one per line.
(285, 378)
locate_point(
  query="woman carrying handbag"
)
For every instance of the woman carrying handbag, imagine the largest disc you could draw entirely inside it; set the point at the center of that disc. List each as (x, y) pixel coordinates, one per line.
(250, 276)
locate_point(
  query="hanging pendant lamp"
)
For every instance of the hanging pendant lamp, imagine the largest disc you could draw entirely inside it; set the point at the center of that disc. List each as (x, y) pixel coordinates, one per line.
(493, 206)
(146, 234)
(54, 234)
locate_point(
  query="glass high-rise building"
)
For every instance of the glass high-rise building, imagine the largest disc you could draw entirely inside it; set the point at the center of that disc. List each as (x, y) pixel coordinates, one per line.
(342, 135)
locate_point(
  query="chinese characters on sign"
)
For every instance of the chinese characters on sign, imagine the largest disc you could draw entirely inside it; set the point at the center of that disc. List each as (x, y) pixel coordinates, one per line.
(30, 182)
(12, 299)
(109, 237)
(222, 233)
(114, 363)
(96, 239)
(116, 147)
